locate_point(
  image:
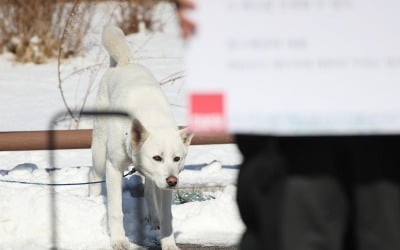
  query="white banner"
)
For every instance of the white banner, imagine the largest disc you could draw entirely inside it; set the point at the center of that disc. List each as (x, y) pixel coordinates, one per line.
(295, 67)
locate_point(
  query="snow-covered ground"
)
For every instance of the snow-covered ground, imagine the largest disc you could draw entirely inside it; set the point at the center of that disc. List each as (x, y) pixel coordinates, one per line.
(29, 97)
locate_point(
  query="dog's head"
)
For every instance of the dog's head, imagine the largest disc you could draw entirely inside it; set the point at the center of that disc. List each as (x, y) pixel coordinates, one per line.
(159, 154)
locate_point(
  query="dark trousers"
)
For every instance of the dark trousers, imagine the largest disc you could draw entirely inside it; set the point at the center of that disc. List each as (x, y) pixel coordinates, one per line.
(327, 193)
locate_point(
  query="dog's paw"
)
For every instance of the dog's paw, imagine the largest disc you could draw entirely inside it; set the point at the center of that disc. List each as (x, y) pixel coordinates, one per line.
(121, 244)
(170, 247)
(124, 244)
(168, 243)
(136, 247)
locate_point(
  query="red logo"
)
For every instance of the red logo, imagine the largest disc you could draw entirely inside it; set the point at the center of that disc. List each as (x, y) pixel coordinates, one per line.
(207, 112)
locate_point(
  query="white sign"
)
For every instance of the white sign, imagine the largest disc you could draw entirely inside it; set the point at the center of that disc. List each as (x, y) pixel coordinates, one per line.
(295, 67)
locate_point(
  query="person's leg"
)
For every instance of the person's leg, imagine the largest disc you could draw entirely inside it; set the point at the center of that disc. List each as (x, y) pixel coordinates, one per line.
(378, 216)
(377, 193)
(306, 210)
(260, 188)
(315, 214)
(315, 206)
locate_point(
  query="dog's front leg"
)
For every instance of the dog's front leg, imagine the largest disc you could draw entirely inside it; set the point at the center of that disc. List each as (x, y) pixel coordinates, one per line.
(165, 214)
(114, 202)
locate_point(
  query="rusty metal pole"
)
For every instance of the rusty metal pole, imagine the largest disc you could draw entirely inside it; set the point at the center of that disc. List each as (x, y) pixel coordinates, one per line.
(77, 139)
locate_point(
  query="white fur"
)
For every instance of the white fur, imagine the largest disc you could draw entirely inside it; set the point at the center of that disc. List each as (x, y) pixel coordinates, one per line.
(118, 142)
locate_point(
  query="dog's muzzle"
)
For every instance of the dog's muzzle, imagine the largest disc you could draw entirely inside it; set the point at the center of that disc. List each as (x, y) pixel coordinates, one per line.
(172, 181)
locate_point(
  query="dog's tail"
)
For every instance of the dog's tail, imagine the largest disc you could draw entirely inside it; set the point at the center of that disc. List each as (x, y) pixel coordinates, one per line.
(114, 42)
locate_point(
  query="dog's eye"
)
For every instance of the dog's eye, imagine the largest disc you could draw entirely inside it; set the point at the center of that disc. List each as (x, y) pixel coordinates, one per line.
(177, 158)
(157, 158)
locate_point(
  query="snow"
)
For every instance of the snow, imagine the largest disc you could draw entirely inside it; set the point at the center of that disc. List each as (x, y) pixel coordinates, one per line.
(29, 98)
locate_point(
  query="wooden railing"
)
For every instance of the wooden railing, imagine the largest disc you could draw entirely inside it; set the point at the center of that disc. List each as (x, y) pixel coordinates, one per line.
(77, 139)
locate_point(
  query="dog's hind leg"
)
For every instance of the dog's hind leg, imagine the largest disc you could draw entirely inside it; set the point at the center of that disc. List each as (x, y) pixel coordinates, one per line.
(151, 200)
(165, 214)
(159, 203)
(99, 164)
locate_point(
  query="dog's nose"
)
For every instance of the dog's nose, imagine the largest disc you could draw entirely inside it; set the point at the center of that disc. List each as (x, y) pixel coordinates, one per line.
(172, 181)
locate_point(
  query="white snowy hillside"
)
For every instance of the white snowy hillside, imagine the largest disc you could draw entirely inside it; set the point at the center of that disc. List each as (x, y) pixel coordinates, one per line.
(34, 216)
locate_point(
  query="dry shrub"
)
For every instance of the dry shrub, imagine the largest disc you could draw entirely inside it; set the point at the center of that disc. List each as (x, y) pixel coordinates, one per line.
(134, 12)
(33, 29)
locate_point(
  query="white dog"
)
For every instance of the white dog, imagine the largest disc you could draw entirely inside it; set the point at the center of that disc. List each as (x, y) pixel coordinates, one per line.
(150, 140)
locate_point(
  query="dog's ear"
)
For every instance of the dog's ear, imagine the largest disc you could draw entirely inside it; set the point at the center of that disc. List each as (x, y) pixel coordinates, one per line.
(186, 136)
(139, 133)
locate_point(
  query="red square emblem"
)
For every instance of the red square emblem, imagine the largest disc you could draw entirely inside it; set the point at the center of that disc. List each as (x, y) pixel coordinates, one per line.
(207, 112)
